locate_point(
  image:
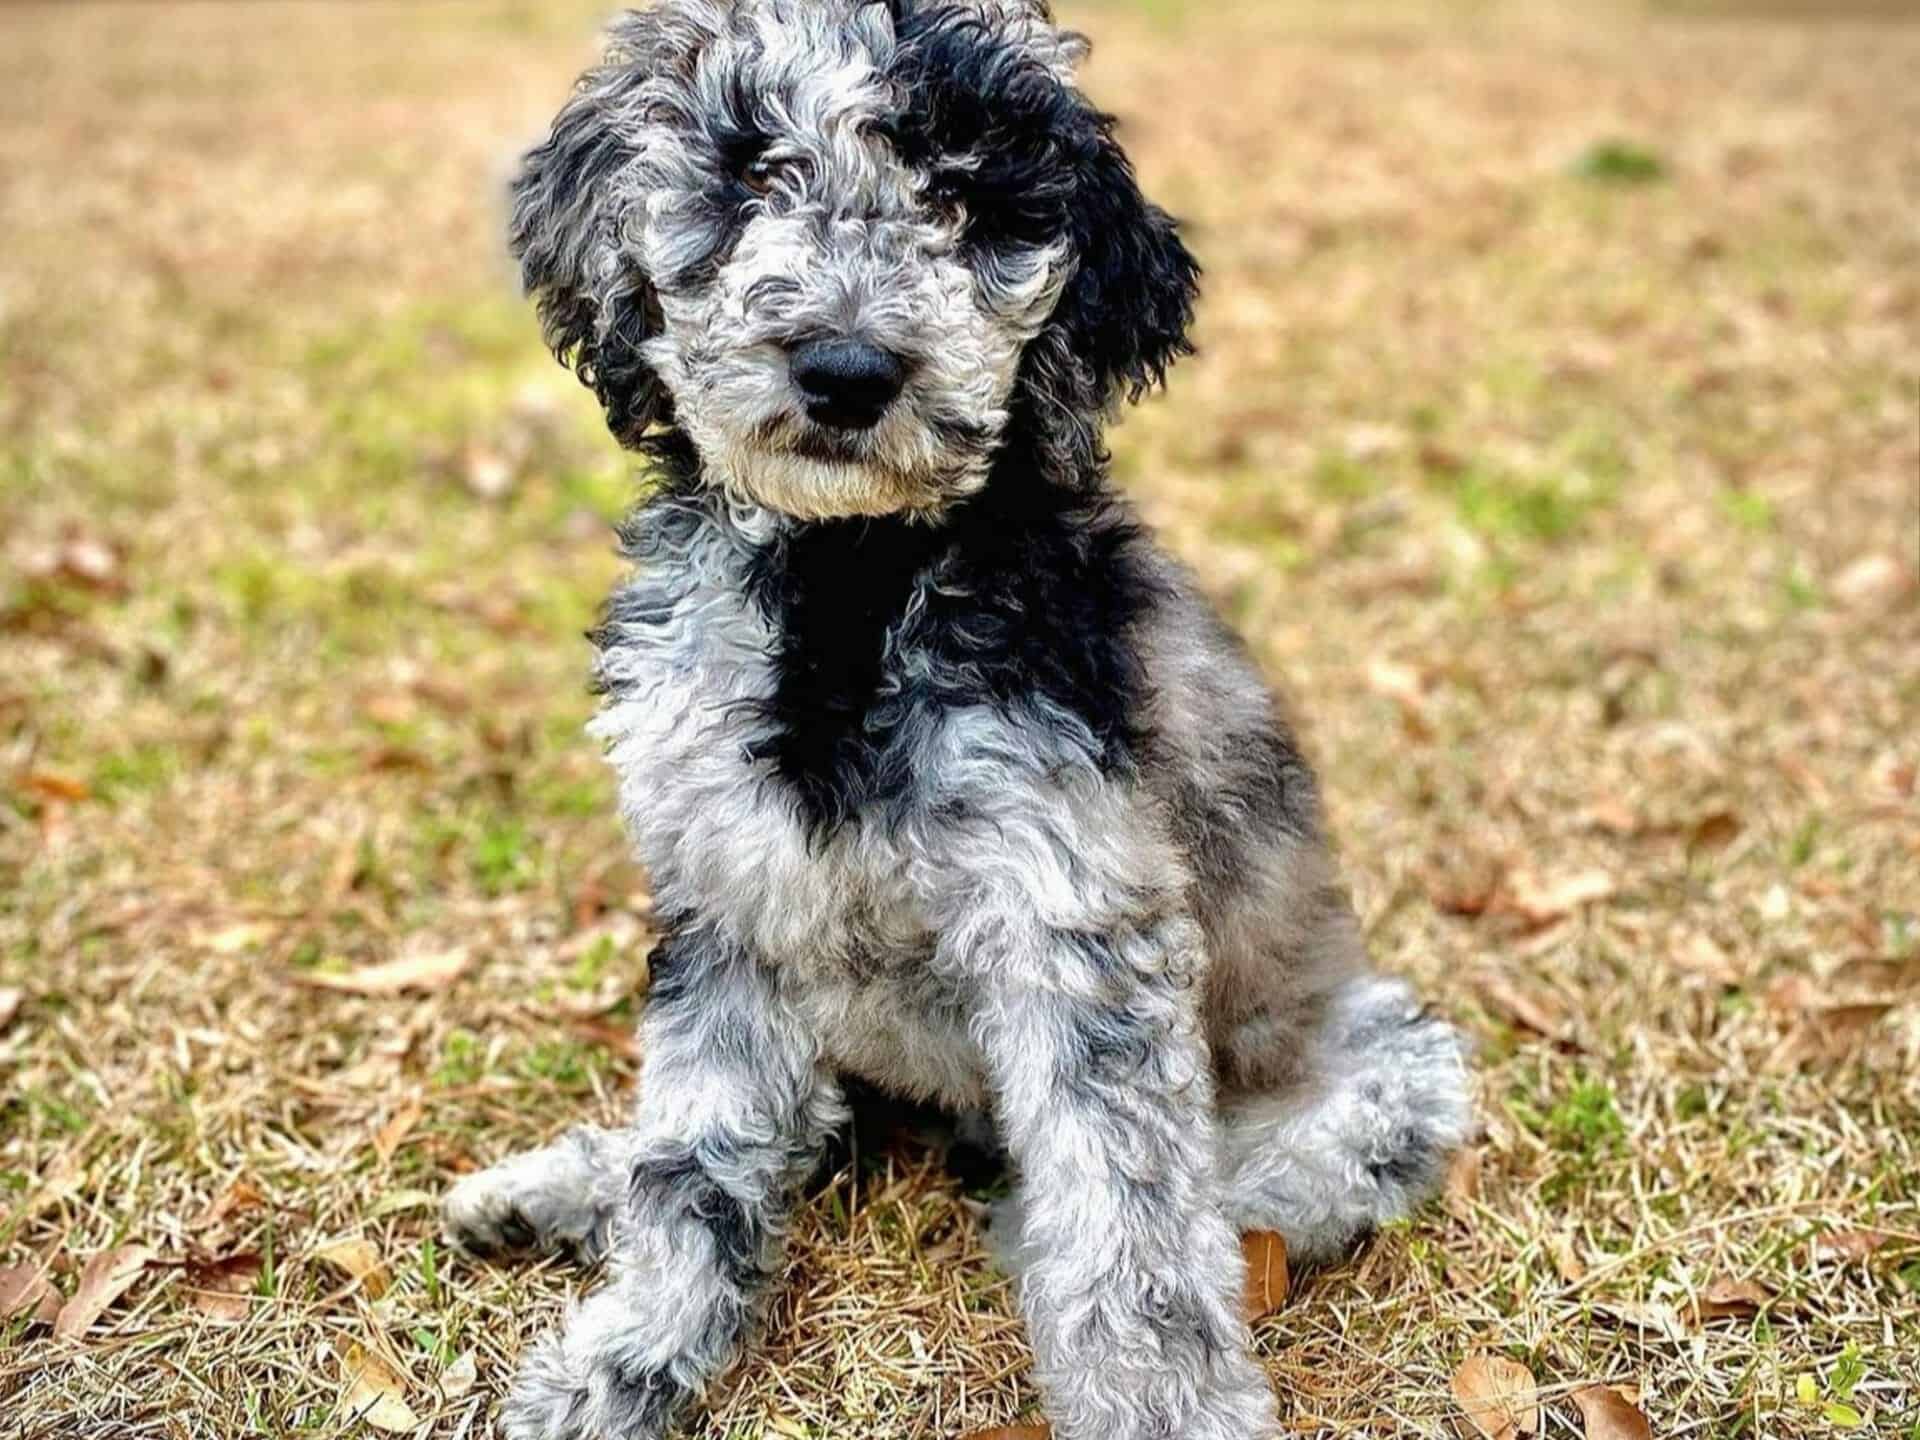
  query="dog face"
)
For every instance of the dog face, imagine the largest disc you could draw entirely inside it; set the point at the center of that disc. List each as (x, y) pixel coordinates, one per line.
(843, 245)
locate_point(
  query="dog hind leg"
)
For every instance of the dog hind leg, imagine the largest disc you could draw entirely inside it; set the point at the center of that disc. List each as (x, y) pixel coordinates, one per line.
(1363, 1137)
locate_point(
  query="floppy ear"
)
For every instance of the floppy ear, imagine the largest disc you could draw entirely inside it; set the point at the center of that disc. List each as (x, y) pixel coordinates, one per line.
(570, 203)
(1126, 312)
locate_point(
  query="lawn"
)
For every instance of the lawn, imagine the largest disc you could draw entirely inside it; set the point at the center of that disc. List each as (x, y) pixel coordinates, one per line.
(1553, 439)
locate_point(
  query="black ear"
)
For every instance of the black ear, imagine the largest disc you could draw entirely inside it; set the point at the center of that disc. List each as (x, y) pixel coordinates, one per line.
(570, 202)
(1127, 309)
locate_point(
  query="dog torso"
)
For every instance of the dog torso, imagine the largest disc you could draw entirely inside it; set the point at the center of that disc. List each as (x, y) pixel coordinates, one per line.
(801, 717)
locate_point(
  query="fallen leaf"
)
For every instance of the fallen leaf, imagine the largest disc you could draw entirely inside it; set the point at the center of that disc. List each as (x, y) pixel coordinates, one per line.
(22, 1287)
(1530, 1006)
(1541, 899)
(358, 1259)
(242, 1194)
(1846, 1244)
(1832, 1033)
(428, 970)
(1566, 1259)
(105, 1279)
(395, 1131)
(233, 939)
(48, 1310)
(223, 1289)
(1651, 1315)
(1790, 994)
(81, 560)
(396, 1202)
(1700, 954)
(1267, 1279)
(1714, 831)
(375, 1394)
(1613, 816)
(1498, 1396)
(621, 1040)
(1463, 1180)
(52, 785)
(488, 473)
(1872, 582)
(1876, 976)
(1013, 1432)
(459, 1377)
(10, 999)
(1730, 1300)
(1394, 681)
(1609, 1415)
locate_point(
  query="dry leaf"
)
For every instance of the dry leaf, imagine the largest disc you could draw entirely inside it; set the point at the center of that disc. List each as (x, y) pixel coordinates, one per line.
(1498, 1396)
(1872, 582)
(1013, 1432)
(1839, 1245)
(1832, 1033)
(1699, 953)
(1714, 831)
(1267, 1280)
(223, 1289)
(48, 1310)
(459, 1377)
(428, 970)
(1566, 1259)
(1463, 1180)
(232, 939)
(1790, 995)
(1541, 899)
(52, 785)
(1651, 1315)
(104, 1280)
(10, 999)
(375, 1394)
(79, 560)
(1609, 1415)
(395, 1131)
(487, 472)
(1530, 1006)
(1730, 1300)
(1876, 976)
(1394, 681)
(358, 1259)
(621, 1040)
(241, 1195)
(1615, 817)
(22, 1287)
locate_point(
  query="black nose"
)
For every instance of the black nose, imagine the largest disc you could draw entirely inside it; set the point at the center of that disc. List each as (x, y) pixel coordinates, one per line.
(847, 384)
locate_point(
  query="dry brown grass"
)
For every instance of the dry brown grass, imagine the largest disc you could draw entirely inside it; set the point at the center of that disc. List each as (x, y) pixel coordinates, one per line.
(1576, 513)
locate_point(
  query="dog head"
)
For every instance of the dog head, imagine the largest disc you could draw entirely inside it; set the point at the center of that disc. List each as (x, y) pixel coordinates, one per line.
(840, 245)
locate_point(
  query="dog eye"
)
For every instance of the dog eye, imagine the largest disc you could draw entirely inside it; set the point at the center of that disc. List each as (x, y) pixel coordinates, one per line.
(764, 172)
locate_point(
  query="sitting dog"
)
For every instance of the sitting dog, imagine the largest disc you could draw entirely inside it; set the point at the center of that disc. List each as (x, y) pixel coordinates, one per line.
(947, 779)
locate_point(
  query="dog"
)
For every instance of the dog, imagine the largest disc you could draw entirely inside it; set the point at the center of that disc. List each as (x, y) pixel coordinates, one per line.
(947, 779)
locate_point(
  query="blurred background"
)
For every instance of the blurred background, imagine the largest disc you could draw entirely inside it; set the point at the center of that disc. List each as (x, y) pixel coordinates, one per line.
(1553, 440)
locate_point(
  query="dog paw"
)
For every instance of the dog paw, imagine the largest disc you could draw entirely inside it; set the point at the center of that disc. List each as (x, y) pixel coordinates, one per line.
(1417, 1102)
(548, 1199)
(592, 1381)
(480, 1216)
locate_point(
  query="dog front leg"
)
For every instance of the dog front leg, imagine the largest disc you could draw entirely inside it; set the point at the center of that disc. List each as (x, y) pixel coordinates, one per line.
(1131, 1275)
(734, 1111)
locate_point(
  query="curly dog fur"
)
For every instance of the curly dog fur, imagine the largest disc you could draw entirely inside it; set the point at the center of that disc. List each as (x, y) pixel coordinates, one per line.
(947, 779)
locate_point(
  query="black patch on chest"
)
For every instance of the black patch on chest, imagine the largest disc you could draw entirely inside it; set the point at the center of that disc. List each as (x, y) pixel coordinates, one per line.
(1023, 599)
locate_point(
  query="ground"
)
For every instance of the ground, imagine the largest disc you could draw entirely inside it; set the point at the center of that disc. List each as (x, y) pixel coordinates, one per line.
(1553, 440)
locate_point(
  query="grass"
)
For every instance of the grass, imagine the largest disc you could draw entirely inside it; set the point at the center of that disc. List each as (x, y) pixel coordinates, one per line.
(1575, 514)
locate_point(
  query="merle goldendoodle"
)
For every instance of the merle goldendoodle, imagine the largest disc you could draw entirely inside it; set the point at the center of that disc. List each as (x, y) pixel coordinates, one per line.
(947, 778)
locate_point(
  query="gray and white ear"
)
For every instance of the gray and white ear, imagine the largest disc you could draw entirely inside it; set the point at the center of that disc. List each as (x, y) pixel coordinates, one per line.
(1031, 21)
(571, 206)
